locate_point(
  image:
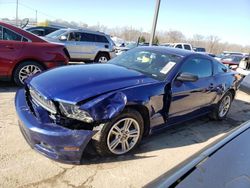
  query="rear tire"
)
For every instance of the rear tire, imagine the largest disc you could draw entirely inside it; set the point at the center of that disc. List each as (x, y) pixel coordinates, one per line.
(222, 108)
(115, 139)
(26, 69)
(102, 58)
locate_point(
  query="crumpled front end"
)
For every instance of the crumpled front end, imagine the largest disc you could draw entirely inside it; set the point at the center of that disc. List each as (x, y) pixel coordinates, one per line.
(47, 136)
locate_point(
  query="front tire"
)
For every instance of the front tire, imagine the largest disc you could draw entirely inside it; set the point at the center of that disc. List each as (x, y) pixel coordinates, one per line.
(222, 108)
(26, 69)
(121, 135)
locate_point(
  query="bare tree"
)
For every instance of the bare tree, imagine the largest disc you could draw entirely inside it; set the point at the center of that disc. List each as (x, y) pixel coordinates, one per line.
(173, 36)
(212, 43)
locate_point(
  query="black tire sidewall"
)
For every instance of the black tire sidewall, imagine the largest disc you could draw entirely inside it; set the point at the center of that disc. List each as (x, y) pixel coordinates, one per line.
(101, 144)
(20, 66)
(218, 106)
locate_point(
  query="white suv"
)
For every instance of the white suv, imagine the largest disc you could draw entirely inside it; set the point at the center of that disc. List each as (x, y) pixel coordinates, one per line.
(84, 45)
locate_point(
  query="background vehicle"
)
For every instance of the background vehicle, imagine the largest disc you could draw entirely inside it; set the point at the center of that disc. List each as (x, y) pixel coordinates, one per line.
(131, 45)
(139, 92)
(244, 66)
(199, 170)
(184, 46)
(232, 61)
(42, 31)
(24, 54)
(227, 54)
(199, 49)
(85, 45)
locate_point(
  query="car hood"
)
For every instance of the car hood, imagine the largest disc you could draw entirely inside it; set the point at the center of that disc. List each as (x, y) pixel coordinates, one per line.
(76, 83)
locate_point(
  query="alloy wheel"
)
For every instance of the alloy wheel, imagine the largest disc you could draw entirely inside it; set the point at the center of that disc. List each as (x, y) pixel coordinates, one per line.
(224, 106)
(123, 136)
(102, 59)
(27, 71)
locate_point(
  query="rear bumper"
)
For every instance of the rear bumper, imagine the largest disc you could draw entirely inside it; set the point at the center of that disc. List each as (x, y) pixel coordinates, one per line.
(50, 139)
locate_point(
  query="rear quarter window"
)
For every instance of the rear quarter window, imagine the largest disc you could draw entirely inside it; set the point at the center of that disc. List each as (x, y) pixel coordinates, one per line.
(1, 33)
(219, 68)
(10, 35)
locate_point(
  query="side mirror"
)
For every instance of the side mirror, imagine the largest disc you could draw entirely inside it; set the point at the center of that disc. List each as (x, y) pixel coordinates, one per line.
(63, 38)
(187, 77)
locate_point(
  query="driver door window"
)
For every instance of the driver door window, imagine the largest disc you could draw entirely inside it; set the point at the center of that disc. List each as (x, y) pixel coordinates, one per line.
(198, 66)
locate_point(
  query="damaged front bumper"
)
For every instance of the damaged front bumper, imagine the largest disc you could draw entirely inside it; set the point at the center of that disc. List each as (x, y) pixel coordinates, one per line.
(50, 139)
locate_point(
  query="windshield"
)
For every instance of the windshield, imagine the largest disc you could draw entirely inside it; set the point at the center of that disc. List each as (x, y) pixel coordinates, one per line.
(56, 34)
(149, 62)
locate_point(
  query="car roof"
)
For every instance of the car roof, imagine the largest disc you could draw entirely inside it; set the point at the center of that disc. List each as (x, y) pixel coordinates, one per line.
(164, 49)
(43, 27)
(84, 30)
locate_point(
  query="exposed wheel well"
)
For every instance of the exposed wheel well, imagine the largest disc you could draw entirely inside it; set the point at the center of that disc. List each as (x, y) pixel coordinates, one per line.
(232, 91)
(25, 60)
(145, 115)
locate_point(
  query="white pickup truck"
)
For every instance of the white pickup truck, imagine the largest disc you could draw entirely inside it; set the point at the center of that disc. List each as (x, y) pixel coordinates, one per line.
(184, 46)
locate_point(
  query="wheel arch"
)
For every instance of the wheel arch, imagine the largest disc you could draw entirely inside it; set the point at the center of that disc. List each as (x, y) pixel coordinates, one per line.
(102, 52)
(232, 91)
(143, 110)
(25, 60)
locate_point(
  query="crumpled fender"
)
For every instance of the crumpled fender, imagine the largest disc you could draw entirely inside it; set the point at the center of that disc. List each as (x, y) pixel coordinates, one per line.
(106, 106)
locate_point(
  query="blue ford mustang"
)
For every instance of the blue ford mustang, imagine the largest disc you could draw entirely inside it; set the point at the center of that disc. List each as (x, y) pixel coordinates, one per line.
(114, 105)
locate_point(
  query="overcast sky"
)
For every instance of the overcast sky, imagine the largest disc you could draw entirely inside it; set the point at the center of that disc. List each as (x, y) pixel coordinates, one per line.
(227, 19)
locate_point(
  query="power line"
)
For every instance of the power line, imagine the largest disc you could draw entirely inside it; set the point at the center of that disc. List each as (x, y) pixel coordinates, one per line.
(28, 7)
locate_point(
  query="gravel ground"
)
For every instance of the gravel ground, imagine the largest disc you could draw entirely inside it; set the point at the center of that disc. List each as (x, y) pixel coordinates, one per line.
(23, 167)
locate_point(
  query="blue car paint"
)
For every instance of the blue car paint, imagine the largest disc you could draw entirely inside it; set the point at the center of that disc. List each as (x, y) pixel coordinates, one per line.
(55, 136)
(105, 90)
(85, 81)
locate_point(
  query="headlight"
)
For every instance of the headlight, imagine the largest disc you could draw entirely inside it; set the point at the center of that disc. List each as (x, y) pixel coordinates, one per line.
(74, 112)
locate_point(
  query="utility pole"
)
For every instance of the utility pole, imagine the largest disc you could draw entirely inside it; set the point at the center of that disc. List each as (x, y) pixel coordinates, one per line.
(36, 17)
(157, 7)
(16, 12)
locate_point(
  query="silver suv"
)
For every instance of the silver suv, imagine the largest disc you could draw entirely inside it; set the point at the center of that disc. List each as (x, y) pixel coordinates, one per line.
(85, 45)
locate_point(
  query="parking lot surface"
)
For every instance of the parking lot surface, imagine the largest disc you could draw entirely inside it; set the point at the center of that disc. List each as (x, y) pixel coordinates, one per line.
(23, 167)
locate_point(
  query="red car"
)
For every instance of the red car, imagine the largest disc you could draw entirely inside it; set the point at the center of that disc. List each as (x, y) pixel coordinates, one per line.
(23, 54)
(232, 61)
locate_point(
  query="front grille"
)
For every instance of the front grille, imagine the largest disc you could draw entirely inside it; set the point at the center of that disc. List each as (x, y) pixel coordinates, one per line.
(42, 101)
